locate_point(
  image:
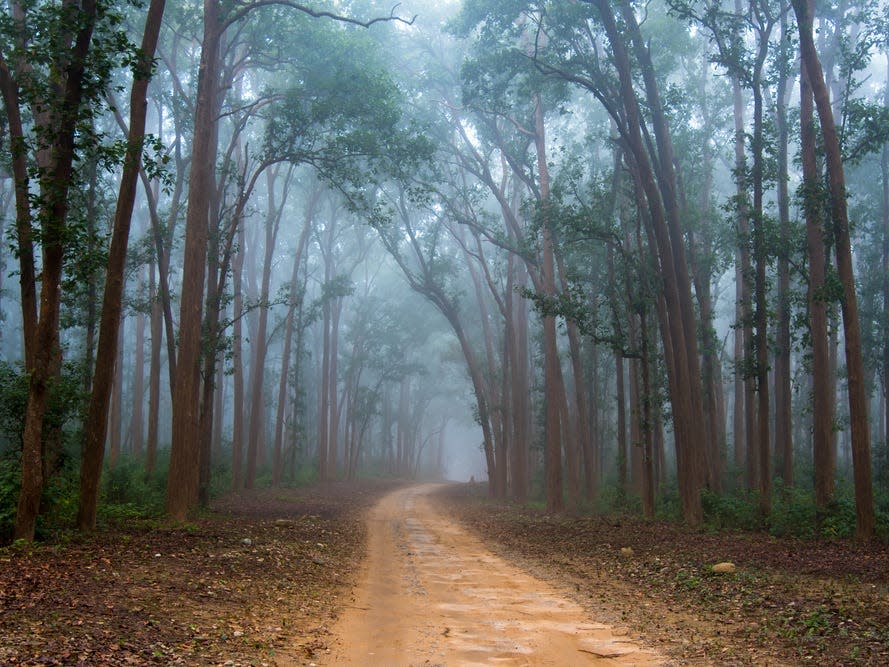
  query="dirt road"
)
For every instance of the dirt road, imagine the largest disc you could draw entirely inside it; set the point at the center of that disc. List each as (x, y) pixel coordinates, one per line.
(431, 594)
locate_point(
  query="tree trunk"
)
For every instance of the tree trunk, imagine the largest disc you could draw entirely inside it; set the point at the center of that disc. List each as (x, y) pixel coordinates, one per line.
(553, 443)
(154, 375)
(333, 388)
(42, 352)
(648, 471)
(824, 456)
(762, 309)
(295, 300)
(884, 205)
(861, 456)
(685, 382)
(96, 422)
(783, 408)
(116, 417)
(184, 476)
(743, 275)
(520, 388)
(238, 364)
(260, 344)
(324, 398)
(137, 425)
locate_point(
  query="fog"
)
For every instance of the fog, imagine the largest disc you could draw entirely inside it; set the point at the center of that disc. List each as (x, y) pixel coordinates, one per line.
(567, 248)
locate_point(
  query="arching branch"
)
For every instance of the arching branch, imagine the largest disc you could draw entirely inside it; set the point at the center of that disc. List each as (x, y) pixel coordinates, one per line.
(246, 8)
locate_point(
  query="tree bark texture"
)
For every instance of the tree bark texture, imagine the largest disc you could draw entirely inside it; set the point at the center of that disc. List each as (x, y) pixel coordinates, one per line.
(184, 476)
(861, 455)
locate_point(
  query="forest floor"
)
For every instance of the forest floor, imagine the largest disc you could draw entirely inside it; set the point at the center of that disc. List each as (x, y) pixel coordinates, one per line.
(255, 581)
(264, 577)
(789, 602)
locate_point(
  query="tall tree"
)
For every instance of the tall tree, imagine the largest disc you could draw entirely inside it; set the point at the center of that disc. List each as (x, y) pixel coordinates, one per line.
(861, 454)
(107, 353)
(52, 72)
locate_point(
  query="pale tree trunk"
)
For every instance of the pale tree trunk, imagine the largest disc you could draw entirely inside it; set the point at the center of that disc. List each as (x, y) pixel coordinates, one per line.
(92, 289)
(760, 256)
(700, 251)
(619, 377)
(116, 408)
(498, 413)
(137, 425)
(260, 344)
(884, 204)
(554, 428)
(861, 455)
(162, 236)
(154, 374)
(277, 461)
(783, 411)
(333, 386)
(401, 427)
(621, 424)
(424, 284)
(238, 364)
(744, 334)
(739, 412)
(594, 454)
(635, 449)
(579, 426)
(648, 470)
(324, 398)
(518, 355)
(520, 386)
(218, 406)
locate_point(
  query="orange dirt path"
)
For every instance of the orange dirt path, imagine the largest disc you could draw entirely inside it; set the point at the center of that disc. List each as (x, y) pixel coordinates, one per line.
(431, 594)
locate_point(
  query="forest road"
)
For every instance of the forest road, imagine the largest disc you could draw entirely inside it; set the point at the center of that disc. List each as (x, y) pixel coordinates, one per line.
(431, 594)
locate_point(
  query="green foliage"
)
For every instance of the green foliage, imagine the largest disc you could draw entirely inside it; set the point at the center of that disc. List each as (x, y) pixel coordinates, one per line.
(794, 513)
(128, 492)
(10, 482)
(62, 426)
(13, 397)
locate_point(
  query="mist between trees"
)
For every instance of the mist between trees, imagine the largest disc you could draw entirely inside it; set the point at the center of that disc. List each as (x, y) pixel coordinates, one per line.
(604, 256)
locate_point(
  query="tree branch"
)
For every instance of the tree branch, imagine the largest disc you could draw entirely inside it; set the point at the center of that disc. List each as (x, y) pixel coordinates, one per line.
(247, 8)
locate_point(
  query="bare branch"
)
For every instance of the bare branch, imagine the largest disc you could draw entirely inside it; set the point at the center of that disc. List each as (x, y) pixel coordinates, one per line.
(256, 4)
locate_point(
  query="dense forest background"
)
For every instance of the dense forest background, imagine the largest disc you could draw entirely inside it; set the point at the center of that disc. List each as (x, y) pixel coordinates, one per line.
(638, 251)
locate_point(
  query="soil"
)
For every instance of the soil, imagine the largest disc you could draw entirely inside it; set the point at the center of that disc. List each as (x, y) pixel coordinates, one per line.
(255, 581)
(789, 601)
(431, 593)
(281, 577)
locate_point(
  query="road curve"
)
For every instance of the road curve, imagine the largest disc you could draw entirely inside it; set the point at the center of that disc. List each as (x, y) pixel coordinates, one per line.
(431, 594)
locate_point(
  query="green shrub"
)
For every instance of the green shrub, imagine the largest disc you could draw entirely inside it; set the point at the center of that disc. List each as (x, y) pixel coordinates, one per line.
(128, 492)
(10, 482)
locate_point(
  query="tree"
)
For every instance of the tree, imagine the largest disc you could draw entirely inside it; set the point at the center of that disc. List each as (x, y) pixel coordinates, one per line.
(106, 355)
(861, 455)
(285, 141)
(57, 75)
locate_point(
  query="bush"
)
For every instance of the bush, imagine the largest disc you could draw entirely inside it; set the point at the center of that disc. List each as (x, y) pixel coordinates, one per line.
(738, 510)
(9, 493)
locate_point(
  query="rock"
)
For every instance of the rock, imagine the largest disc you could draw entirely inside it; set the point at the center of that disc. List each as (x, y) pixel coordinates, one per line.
(626, 551)
(246, 541)
(284, 523)
(724, 568)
